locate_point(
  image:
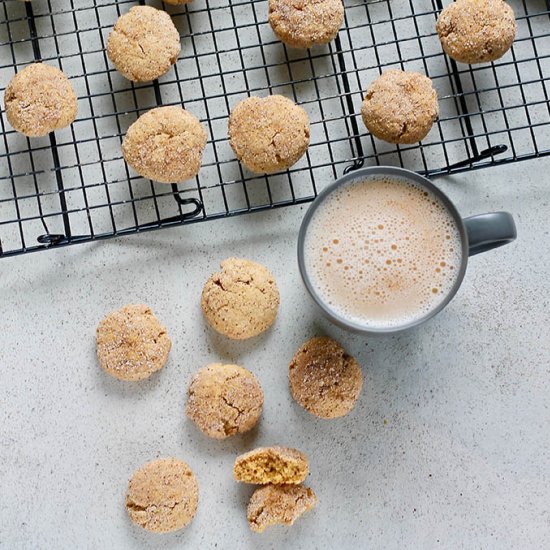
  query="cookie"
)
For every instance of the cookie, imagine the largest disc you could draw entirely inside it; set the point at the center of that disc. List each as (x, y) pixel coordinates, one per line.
(324, 379)
(162, 495)
(476, 31)
(131, 343)
(268, 134)
(306, 23)
(165, 145)
(224, 400)
(277, 465)
(241, 300)
(278, 505)
(143, 44)
(40, 100)
(400, 107)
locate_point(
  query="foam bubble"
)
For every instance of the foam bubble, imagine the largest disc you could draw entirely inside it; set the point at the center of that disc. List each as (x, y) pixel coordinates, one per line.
(382, 252)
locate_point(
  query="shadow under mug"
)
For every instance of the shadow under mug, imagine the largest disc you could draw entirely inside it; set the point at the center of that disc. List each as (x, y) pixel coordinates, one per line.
(477, 234)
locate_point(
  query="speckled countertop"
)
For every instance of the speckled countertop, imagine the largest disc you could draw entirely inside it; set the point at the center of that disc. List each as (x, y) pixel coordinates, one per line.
(448, 447)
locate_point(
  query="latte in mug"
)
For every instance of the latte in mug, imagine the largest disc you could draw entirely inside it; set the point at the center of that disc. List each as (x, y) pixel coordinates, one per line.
(382, 252)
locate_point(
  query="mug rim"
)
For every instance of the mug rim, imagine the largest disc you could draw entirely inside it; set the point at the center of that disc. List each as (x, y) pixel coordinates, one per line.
(372, 172)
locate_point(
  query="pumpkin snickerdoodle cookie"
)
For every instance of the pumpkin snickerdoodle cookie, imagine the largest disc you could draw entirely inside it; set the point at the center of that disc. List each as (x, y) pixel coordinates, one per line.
(165, 144)
(278, 505)
(324, 379)
(268, 134)
(162, 495)
(39, 100)
(131, 343)
(476, 31)
(277, 465)
(241, 300)
(143, 44)
(400, 107)
(306, 23)
(224, 400)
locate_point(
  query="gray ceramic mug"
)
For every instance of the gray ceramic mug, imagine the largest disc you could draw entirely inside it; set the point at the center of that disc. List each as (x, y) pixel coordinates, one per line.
(477, 233)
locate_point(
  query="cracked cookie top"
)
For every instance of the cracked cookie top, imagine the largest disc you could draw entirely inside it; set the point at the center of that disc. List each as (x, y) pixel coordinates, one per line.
(400, 107)
(306, 23)
(143, 44)
(131, 343)
(324, 379)
(162, 495)
(241, 300)
(224, 400)
(476, 31)
(39, 100)
(165, 144)
(268, 134)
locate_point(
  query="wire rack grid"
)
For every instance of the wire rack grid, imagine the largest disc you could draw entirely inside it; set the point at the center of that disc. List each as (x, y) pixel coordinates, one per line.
(73, 186)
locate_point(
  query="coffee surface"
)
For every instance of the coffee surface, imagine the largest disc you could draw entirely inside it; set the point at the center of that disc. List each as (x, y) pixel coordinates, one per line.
(382, 252)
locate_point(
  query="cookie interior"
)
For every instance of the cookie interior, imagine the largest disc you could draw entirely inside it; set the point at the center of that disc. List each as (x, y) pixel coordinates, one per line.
(267, 467)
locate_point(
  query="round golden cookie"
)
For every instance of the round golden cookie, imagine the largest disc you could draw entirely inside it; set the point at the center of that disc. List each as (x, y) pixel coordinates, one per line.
(278, 505)
(165, 145)
(241, 300)
(268, 134)
(277, 465)
(143, 44)
(476, 31)
(306, 23)
(39, 100)
(162, 495)
(224, 400)
(324, 379)
(131, 343)
(400, 107)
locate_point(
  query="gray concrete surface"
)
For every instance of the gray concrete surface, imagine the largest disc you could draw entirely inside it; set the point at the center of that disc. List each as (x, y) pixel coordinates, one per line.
(447, 448)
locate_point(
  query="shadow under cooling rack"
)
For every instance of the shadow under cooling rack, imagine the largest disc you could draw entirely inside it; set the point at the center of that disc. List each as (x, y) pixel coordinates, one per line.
(73, 186)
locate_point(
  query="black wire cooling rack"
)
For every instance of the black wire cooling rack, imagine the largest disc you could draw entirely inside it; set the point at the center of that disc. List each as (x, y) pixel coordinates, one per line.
(73, 186)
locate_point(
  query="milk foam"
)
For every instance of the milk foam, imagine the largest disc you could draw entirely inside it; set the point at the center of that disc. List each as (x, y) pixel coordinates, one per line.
(382, 252)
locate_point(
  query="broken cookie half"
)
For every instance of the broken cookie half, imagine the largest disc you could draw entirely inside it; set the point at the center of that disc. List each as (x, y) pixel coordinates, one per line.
(282, 499)
(278, 505)
(276, 465)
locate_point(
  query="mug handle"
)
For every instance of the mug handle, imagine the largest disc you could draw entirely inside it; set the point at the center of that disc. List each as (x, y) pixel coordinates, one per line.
(488, 231)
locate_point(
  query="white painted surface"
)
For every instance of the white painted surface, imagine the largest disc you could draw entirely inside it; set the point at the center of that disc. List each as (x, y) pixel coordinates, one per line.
(448, 447)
